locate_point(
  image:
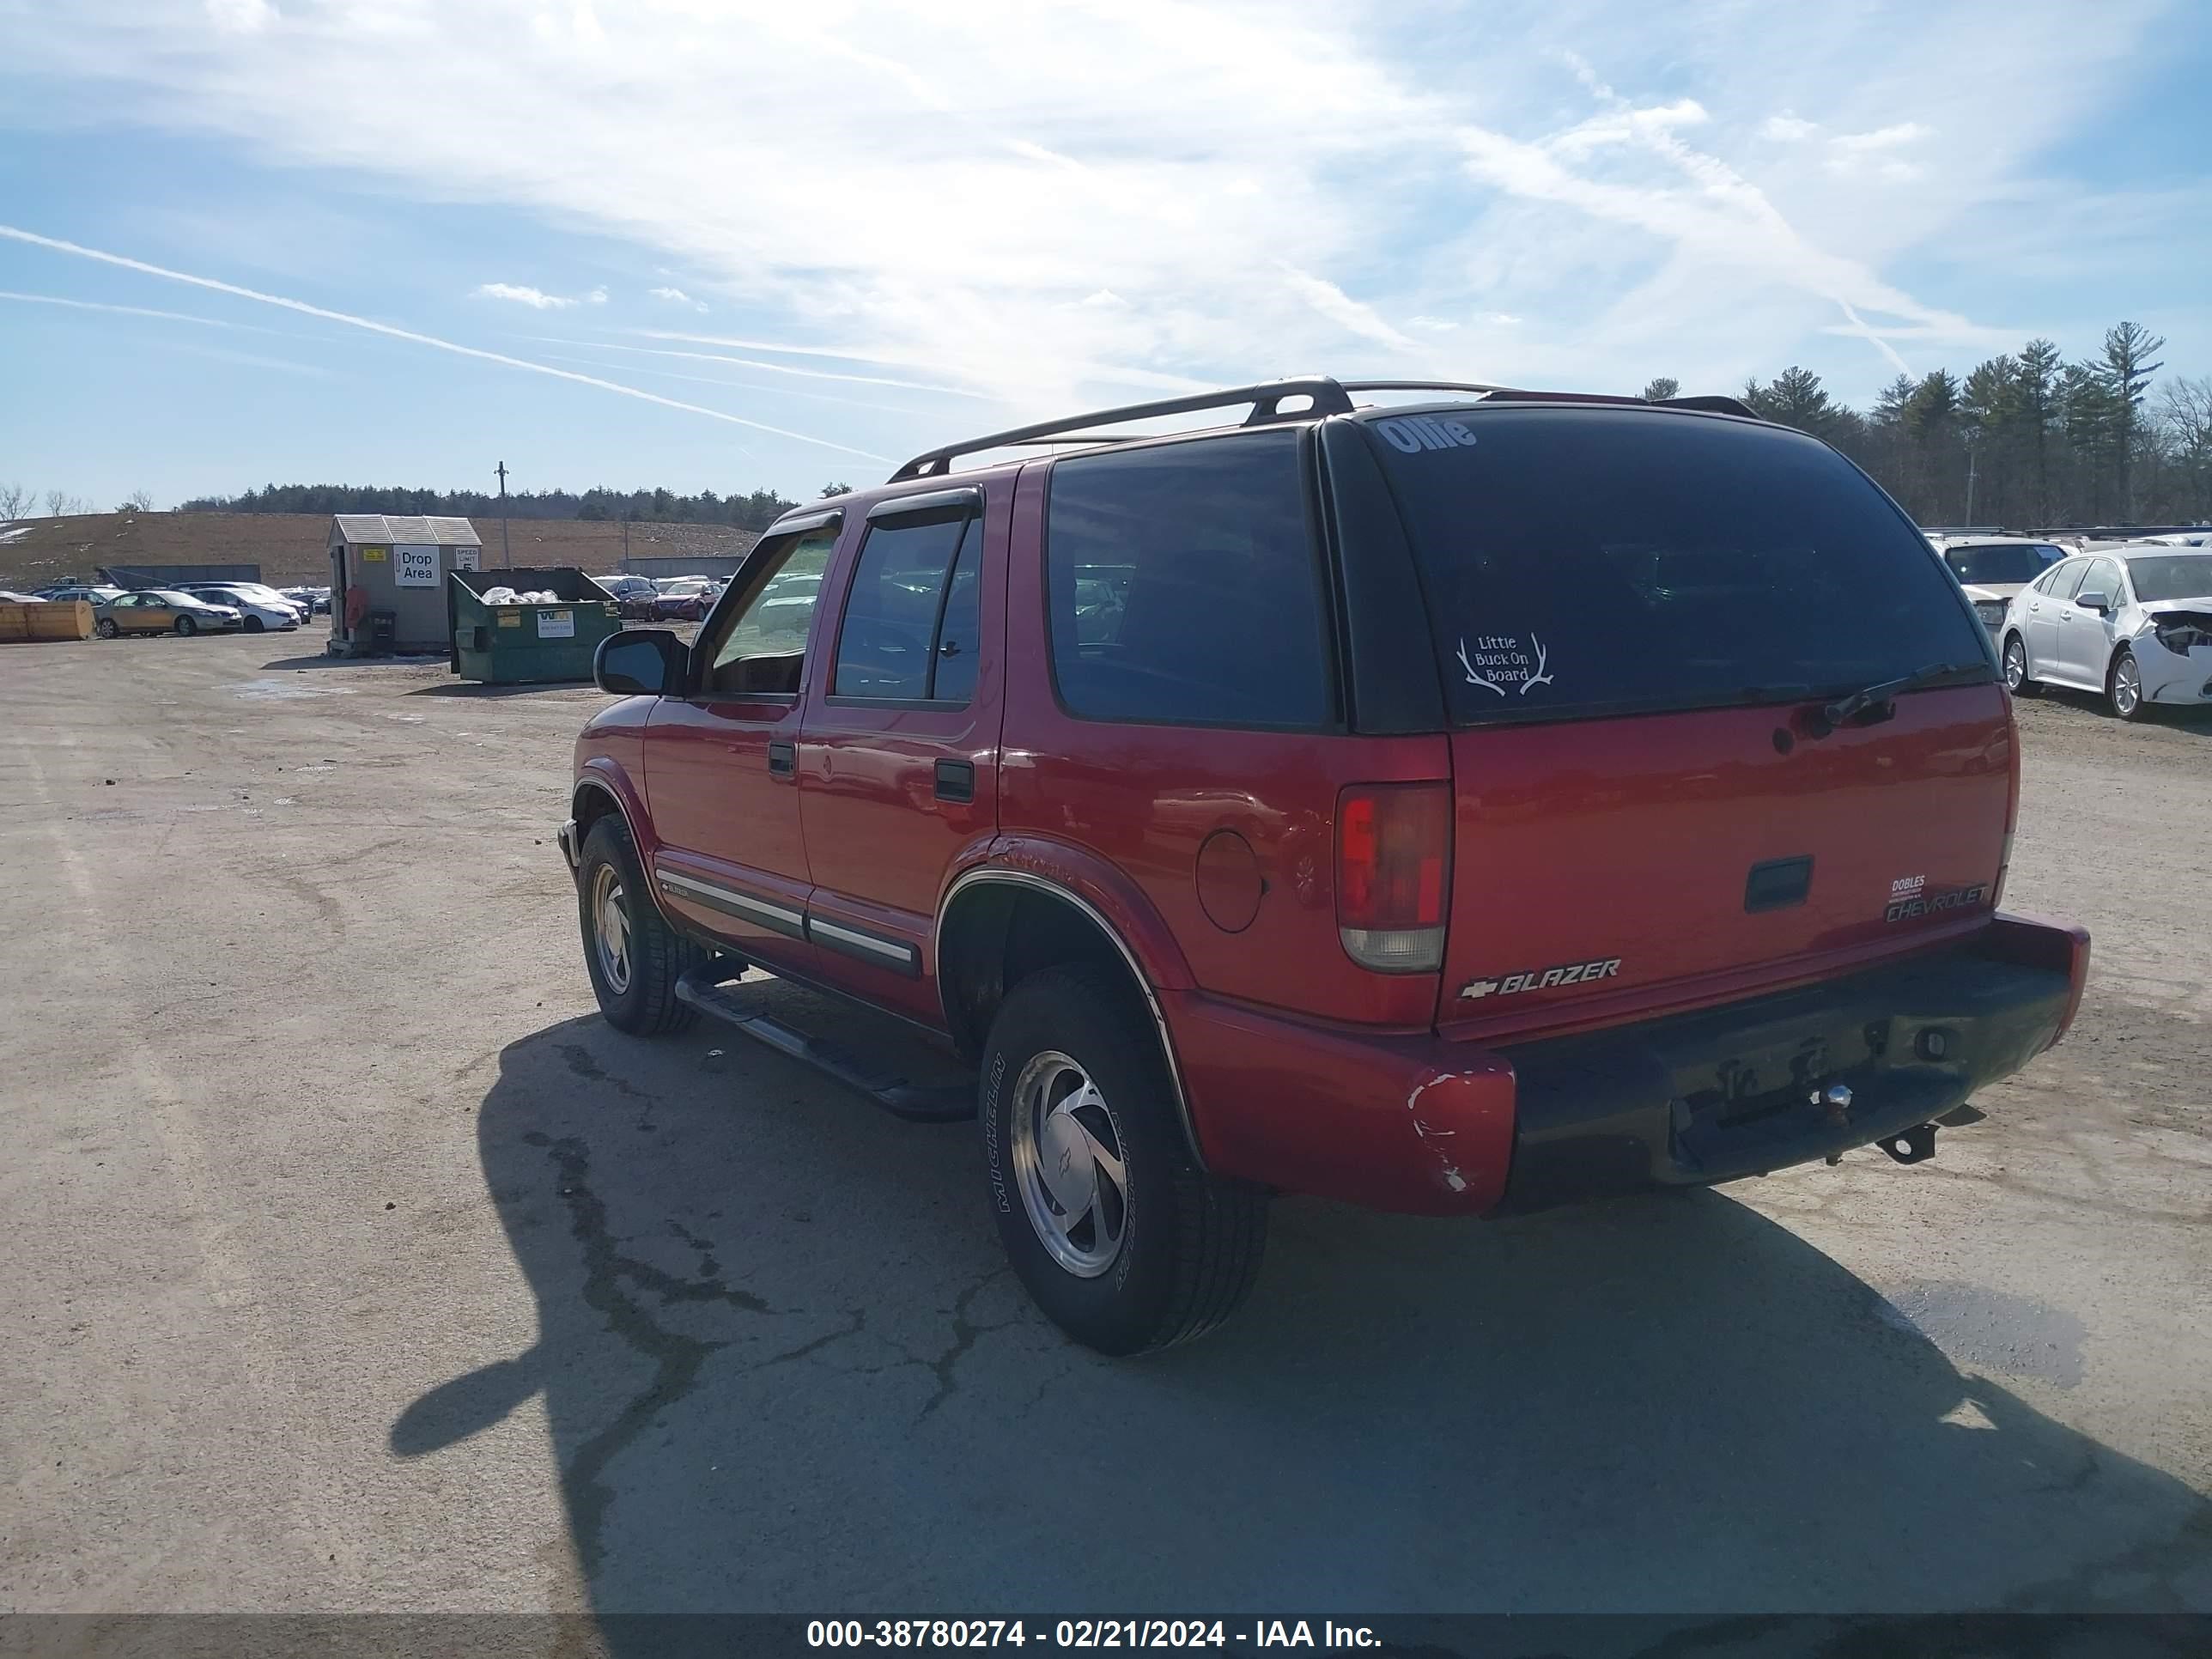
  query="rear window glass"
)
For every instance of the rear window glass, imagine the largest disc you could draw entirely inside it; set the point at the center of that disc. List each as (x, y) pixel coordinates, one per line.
(2180, 576)
(1999, 561)
(1185, 585)
(1590, 561)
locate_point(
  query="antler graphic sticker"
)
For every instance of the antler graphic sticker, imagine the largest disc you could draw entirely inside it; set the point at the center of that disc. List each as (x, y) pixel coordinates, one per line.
(1473, 679)
(1539, 677)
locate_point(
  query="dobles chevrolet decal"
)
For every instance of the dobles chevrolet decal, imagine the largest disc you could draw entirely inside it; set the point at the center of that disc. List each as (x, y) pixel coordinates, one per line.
(1543, 979)
(1928, 904)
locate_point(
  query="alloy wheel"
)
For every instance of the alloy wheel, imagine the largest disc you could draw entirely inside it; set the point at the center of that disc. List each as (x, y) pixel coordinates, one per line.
(611, 928)
(2127, 687)
(1070, 1165)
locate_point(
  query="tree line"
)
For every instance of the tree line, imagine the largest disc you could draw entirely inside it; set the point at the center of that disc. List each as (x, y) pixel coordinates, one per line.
(2025, 438)
(754, 511)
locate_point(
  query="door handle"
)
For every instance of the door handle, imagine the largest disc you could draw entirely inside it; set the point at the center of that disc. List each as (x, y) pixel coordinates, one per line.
(956, 781)
(783, 760)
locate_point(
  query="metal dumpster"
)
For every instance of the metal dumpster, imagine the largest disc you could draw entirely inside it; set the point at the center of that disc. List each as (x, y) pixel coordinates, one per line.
(516, 644)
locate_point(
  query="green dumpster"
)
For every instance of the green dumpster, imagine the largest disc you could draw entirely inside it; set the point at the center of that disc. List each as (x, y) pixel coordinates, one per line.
(514, 643)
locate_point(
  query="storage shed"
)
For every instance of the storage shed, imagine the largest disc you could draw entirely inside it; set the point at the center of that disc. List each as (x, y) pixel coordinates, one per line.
(400, 564)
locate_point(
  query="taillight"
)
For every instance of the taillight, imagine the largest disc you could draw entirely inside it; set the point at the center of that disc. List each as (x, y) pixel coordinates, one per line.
(1394, 874)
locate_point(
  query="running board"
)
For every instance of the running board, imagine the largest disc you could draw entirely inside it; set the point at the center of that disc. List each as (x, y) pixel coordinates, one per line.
(921, 1102)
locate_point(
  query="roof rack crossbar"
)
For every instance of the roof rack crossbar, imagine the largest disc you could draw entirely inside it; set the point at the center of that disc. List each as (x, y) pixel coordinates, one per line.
(1266, 397)
(1420, 385)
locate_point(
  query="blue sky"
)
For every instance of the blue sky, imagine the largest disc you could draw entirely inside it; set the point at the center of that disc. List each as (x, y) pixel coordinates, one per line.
(715, 245)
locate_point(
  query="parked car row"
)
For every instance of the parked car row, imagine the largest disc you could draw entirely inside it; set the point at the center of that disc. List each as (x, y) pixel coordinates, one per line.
(188, 608)
(665, 598)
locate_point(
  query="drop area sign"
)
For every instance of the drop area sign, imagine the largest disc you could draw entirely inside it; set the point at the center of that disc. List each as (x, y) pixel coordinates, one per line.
(414, 566)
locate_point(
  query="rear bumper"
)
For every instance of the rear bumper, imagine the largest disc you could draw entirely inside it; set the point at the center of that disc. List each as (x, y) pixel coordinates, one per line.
(1426, 1125)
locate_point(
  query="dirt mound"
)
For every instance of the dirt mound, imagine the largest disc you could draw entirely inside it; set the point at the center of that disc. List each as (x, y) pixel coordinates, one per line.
(290, 547)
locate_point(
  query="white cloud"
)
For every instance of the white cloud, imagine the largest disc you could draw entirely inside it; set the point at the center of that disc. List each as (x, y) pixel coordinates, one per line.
(536, 298)
(241, 16)
(597, 296)
(1346, 312)
(992, 167)
(1904, 132)
(677, 296)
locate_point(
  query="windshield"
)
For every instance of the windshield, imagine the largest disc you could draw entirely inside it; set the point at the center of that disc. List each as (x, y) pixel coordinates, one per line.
(2173, 577)
(2000, 562)
(1583, 561)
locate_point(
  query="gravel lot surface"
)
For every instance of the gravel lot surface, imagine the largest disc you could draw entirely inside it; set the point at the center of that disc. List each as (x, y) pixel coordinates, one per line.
(355, 1264)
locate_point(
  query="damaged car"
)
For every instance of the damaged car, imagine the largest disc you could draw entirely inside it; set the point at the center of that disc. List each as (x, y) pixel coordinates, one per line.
(2132, 623)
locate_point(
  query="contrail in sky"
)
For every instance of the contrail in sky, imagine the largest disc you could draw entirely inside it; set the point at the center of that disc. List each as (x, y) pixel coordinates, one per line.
(306, 310)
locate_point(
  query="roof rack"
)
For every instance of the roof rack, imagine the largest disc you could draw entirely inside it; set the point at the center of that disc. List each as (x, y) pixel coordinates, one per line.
(1266, 397)
(1324, 395)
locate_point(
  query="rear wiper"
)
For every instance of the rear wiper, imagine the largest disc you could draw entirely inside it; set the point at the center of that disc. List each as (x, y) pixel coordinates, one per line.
(1877, 696)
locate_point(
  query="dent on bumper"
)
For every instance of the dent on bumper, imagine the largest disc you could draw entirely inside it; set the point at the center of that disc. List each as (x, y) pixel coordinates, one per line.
(1421, 1124)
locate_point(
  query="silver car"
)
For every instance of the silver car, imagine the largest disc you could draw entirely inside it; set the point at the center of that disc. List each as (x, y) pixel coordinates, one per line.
(2133, 622)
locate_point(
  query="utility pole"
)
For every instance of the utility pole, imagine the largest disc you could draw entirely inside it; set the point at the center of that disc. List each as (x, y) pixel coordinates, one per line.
(1970, 480)
(505, 551)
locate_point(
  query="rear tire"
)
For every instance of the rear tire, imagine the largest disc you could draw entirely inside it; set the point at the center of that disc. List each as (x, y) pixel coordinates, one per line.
(106, 627)
(634, 956)
(1072, 1076)
(2124, 687)
(186, 628)
(2017, 679)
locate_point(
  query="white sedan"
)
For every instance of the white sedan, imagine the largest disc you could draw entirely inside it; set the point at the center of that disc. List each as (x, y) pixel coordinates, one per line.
(262, 607)
(2134, 623)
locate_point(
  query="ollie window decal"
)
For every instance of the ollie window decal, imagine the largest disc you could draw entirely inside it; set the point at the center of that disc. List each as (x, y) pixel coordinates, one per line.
(1409, 434)
(1501, 661)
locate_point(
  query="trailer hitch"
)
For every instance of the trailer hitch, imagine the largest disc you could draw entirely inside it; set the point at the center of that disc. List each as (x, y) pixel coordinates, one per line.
(1913, 1145)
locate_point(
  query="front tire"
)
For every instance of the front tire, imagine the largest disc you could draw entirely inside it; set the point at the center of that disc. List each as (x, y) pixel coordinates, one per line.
(106, 627)
(2123, 686)
(634, 956)
(186, 628)
(253, 624)
(2018, 681)
(1118, 1236)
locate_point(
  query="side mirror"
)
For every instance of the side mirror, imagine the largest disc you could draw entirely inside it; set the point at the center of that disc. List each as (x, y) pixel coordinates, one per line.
(2100, 602)
(641, 662)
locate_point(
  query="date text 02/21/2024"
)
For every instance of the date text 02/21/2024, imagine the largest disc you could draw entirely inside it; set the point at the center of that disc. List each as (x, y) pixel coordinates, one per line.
(1085, 1633)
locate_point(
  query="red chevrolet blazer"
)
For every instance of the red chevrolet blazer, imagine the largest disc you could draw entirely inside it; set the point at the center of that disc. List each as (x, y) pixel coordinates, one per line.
(1457, 807)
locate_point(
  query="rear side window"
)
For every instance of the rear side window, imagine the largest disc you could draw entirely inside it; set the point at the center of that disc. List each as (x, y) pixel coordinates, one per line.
(903, 636)
(1184, 584)
(2066, 580)
(1584, 561)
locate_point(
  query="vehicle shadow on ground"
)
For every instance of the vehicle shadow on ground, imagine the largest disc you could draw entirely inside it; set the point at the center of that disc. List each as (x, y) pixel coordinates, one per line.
(468, 688)
(785, 1369)
(335, 660)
